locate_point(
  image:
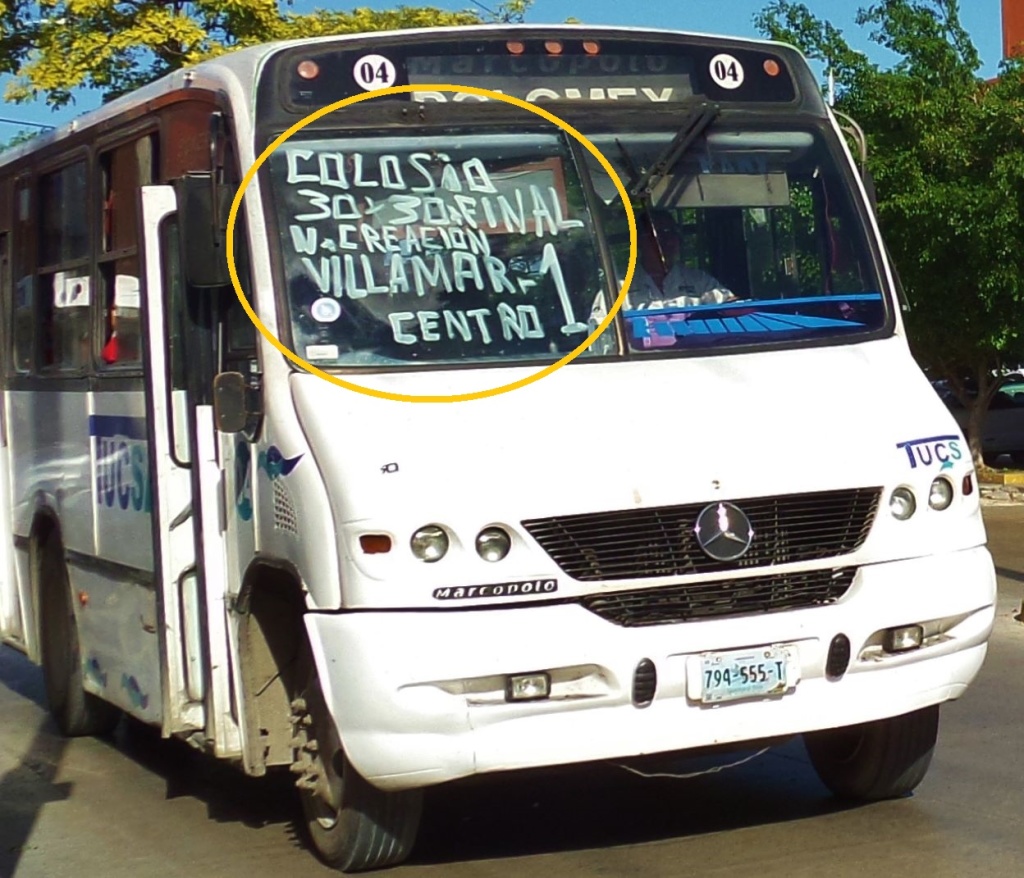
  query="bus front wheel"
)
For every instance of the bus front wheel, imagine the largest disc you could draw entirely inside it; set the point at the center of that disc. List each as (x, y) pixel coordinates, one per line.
(352, 825)
(884, 759)
(75, 711)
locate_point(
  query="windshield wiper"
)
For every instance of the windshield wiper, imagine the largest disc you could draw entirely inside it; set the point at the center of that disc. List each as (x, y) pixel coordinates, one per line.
(699, 118)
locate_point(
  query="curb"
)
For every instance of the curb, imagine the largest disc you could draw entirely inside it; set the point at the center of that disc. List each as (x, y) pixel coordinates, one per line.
(989, 476)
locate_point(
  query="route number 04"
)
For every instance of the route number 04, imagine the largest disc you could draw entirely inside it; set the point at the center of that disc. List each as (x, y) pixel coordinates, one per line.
(374, 71)
(726, 71)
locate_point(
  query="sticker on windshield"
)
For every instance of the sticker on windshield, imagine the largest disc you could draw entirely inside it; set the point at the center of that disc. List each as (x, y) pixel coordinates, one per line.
(726, 71)
(374, 71)
(325, 310)
(322, 352)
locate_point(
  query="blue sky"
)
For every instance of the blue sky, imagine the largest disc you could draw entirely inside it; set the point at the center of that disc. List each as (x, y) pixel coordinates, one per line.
(980, 17)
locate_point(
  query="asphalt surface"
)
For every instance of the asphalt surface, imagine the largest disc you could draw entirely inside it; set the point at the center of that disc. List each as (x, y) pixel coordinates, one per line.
(134, 805)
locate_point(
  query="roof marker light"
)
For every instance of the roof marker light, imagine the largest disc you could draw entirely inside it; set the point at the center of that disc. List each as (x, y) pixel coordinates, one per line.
(592, 47)
(515, 47)
(308, 69)
(771, 67)
(553, 47)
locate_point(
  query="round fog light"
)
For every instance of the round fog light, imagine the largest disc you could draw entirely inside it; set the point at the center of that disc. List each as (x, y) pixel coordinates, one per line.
(940, 495)
(902, 503)
(493, 543)
(429, 543)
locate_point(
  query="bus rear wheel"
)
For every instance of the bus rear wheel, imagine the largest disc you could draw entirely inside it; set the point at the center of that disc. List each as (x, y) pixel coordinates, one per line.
(884, 759)
(76, 712)
(352, 825)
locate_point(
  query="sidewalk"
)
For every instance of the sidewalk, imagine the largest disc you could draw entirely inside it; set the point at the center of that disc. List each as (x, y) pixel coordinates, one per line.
(999, 488)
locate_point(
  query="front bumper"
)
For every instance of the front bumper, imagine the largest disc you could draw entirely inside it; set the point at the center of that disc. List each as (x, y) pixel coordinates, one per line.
(418, 696)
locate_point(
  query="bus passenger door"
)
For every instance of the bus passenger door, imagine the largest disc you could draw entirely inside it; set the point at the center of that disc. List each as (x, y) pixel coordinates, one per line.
(188, 490)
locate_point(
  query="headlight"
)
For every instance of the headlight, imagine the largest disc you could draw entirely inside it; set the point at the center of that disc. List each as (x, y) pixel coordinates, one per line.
(493, 543)
(429, 543)
(902, 503)
(940, 495)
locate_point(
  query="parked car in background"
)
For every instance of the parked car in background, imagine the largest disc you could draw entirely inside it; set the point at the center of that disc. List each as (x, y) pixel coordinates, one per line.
(1003, 432)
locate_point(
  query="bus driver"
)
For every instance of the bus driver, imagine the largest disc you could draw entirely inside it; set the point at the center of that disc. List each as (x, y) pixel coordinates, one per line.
(661, 279)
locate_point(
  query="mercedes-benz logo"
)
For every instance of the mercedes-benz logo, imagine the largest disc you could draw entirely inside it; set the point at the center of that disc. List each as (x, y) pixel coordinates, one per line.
(724, 532)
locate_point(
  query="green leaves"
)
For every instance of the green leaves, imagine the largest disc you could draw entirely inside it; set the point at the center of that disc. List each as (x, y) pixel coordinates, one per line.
(56, 46)
(946, 150)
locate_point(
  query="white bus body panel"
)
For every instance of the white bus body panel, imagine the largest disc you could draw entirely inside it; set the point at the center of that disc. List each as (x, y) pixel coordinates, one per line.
(600, 437)
(436, 711)
(84, 456)
(419, 696)
(12, 626)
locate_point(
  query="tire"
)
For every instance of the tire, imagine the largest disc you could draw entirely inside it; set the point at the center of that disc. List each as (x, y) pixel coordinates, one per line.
(884, 759)
(76, 712)
(352, 825)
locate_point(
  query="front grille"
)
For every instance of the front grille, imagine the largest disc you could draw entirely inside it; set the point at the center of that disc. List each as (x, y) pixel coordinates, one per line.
(660, 541)
(665, 604)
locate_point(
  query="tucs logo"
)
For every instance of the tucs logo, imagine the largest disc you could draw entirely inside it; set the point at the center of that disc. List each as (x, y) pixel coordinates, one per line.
(122, 463)
(942, 449)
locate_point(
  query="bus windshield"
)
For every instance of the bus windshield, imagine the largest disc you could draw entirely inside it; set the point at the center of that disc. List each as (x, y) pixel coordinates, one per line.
(438, 249)
(749, 237)
(482, 248)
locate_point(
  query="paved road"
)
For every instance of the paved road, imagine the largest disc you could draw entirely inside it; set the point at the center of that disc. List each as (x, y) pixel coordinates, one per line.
(135, 805)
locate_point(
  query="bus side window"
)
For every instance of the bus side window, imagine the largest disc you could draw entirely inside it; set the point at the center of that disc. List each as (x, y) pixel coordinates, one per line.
(5, 278)
(64, 279)
(122, 327)
(123, 170)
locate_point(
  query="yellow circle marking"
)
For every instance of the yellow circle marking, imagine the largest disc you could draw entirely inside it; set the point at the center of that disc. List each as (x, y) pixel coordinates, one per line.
(406, 397)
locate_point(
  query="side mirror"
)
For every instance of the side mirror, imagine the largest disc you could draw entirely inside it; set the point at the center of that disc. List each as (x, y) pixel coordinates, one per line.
(203, 218)
(236, 404)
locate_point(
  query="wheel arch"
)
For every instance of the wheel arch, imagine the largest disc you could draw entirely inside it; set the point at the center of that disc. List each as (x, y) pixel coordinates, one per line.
(273, 659)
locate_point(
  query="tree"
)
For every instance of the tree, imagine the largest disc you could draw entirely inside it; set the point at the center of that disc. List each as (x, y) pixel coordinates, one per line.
(946, 151)
(21, 137)
(56, 46)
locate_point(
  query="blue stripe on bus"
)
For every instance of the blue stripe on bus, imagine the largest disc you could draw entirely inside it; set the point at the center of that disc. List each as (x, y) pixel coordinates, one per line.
(117, 425)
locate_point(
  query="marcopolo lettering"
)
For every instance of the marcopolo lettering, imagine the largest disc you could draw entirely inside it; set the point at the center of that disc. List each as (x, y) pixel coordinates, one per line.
(501, 590)
(122, 463)
(944, 450)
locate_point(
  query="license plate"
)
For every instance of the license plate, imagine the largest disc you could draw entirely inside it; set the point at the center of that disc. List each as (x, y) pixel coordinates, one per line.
(760, 672)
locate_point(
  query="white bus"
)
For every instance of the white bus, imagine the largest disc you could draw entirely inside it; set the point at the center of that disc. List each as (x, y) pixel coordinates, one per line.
(740, 514)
